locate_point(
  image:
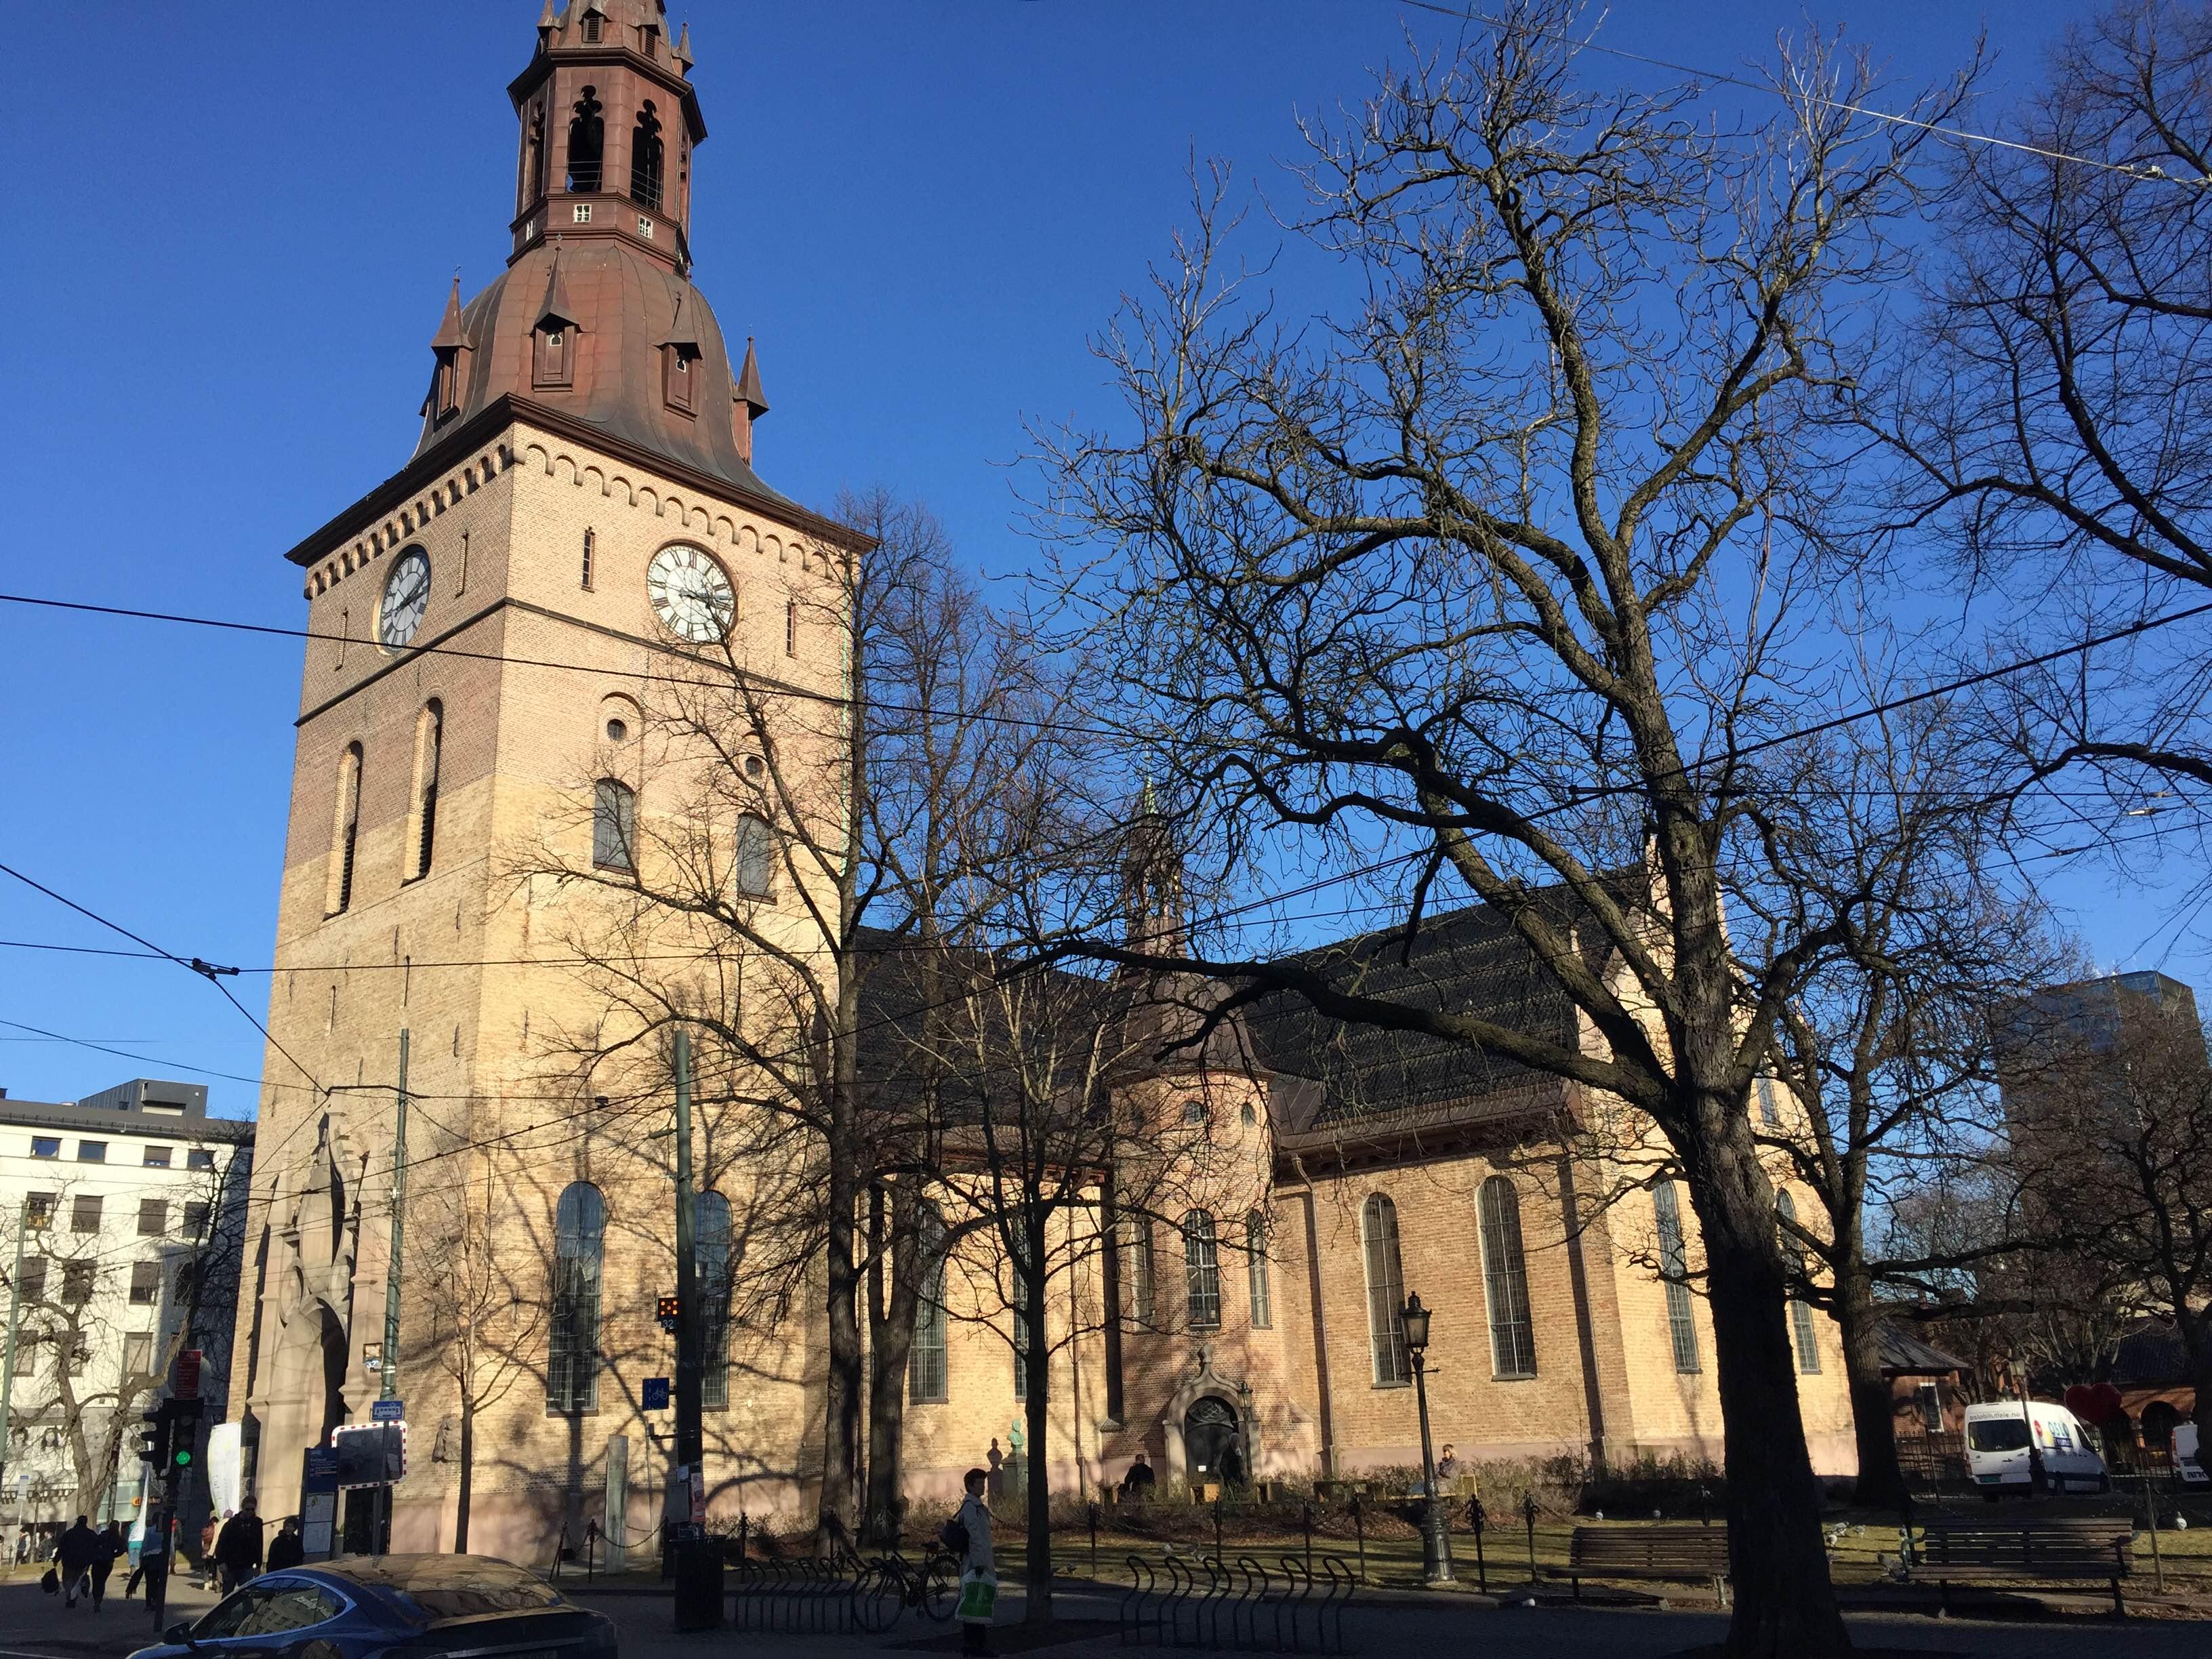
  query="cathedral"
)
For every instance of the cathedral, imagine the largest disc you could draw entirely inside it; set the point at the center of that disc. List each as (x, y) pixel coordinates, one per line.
(484, 765)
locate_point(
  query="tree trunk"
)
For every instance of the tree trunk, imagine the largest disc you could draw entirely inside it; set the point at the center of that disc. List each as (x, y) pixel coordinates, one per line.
(890, 1340)
(1036, 1573)
(1785, 1605)
(468, 1476)
(1874, 1423)
(841, 1407)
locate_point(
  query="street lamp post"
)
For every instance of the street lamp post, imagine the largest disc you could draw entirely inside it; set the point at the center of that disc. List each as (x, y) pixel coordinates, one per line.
(1435, 1540)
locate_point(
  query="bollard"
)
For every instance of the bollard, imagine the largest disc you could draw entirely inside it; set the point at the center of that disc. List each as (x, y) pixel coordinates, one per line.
(1216, 1525)
(1529, 1516)
(1706, 1505)
(745, 1527)
(1476, 1520)
(1305, 1520)
(1094, 1541)
(1359, 1526)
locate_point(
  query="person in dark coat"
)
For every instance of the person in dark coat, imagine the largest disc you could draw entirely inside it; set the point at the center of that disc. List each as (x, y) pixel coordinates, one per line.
(112, 1545)
(238, 1547)
(288, 1548)
(75, 1552)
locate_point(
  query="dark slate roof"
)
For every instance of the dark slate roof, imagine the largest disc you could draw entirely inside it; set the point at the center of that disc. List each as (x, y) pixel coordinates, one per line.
(1905, 1355)
(2150, 1352)
(1468, 961)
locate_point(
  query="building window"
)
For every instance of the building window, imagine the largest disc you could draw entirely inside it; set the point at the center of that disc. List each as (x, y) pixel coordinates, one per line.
(646, 155)
(711, 1240)
(1021, 1275)
(552, 353)
(1144, 1300)
(45, 1146)
(157, 1158)
(1674, 1268)
(581, 214)
(1386, 1294)
(138, 1363)
(1248, 1114)
(430, 748)
(1931, 1407)
(928, 1370)
(679, 377)
(572, 1363)
(345, 833)
(1256, 1243)
(754, 863)
(92, 1151)
(1201, 1270)
(614, 825)
(145, 1284)
(196, 1220)
(34, 1279)
(1505, 1276)
(791, 628)
(77, 1280)
(153, 1217)
(84, 1213)
(39, 1209)
(199, 1157)
(1800, 1311)
(587, 142)
(590, 546)
(1194, 1111)
(1767, 1112)
(592, 23)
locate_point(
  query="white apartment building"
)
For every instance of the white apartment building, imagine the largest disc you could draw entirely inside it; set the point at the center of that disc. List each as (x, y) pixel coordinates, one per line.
(121, 1227)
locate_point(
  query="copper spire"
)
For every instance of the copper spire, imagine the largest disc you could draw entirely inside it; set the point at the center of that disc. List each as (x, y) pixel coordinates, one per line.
(449, 330)
(749, 382)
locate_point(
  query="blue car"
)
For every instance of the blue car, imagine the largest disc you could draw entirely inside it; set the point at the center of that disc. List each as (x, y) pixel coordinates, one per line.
(393, 1607)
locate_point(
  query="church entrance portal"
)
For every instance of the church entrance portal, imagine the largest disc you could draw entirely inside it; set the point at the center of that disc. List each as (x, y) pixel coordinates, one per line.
(1209, 1432)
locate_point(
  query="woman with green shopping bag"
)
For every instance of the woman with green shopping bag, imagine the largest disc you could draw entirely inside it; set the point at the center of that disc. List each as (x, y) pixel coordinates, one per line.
(968, 1535)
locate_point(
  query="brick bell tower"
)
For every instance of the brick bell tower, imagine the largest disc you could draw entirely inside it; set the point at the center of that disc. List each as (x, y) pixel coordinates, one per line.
(485, 637)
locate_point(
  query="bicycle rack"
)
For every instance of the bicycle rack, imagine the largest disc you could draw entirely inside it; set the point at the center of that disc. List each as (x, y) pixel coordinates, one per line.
(1240, 1606)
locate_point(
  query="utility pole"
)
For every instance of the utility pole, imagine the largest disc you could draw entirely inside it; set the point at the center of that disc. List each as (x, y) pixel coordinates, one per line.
(698, 1570)
(14, 1317)
(388, 1379)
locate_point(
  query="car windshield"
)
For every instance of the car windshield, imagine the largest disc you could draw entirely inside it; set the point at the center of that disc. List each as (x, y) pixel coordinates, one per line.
(433, 1587)
(1997, 1434)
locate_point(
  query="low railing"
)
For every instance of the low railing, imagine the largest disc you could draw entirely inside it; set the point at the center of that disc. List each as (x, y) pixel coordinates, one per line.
(804, 1595)
(1238, 1604)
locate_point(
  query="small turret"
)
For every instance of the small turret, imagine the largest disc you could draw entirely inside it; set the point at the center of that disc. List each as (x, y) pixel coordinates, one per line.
(749, 402)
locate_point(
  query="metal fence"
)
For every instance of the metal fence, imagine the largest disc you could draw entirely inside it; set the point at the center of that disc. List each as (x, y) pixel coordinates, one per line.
(1238, 1604)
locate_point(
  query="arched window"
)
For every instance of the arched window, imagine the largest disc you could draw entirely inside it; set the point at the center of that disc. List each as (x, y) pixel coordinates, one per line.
(614, 825)
(345, 833)
(755, 862)
(928, 1371)
(1674, 1268)
(710, 1249)
(429, 743)
(587, 142)
(572, 1361)
(1505, 1276)
(1255, 1244)
(1201, 1270)
(1801, 1312)
(646, 152)
(533, 156)
(1386, 1294)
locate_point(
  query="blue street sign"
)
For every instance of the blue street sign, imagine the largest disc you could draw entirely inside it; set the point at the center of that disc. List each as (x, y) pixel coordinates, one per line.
(656, 1394)
(387, 1411)
(322, 1469)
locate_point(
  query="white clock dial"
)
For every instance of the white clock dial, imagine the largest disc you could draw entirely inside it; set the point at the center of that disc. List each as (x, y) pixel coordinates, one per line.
(406, 597)
(691, 594)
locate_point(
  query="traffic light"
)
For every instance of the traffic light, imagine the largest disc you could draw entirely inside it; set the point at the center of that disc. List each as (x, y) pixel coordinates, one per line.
(154, 1438)
(185, 1415)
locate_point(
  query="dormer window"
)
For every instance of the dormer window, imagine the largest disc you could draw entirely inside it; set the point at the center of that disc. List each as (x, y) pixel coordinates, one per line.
(446, 385)
(552, 365)
(593, 22)
(680, 375)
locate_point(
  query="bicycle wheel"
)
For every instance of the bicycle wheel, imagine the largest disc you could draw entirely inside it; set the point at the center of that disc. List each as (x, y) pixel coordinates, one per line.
(940, 1587)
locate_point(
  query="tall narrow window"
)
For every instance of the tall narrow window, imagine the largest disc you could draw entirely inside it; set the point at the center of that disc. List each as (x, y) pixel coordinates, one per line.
(553, 355)
(1674, 1268)
(345, 833)
(430, 744)
(791, 628)
(1766, 1114)
(1800, 1311)
(646, 152)
(533, 166)
(614, 825)
(1021, 1277)
(587, 141)
(928, 1368)
(710, 1239)
(572, 1362)
(1201, 1270)
(1505, 1276)
(590, 546)
(1144, 1299)
(1386, 1294)
(755, 862)
(1256, 1243)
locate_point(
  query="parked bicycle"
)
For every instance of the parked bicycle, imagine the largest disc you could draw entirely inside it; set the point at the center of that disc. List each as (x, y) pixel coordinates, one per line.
(891, 1584)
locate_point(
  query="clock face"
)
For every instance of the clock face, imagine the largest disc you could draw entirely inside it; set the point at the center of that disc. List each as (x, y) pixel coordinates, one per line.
(406, 596)
(691, 594)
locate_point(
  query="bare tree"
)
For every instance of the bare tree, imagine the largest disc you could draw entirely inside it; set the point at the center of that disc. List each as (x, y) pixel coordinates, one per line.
(1508, 575)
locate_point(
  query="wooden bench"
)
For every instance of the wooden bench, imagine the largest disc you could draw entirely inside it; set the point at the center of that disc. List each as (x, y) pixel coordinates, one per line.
(1695, 1554)
(2030, 1549)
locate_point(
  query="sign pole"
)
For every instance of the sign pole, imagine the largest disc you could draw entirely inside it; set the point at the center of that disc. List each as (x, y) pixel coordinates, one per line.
(388, 1380)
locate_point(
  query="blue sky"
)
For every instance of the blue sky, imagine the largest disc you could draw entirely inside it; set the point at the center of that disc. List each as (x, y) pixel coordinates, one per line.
(233, 230)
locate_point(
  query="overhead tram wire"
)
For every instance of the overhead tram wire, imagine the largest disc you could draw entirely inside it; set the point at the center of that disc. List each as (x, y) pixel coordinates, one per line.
(2138, 173)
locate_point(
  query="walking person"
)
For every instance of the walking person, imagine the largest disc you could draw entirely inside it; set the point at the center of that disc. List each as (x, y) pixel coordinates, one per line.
(112, 1545)
(288, 1548)
(74, 1553)
(968, 1535)
(238, 1547)
(208, 1535)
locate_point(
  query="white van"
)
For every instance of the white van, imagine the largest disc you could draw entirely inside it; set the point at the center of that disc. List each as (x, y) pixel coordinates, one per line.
(2188, 1460)
(1996, 1448)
